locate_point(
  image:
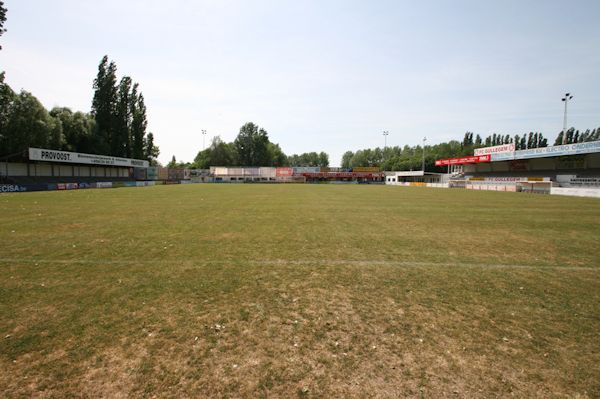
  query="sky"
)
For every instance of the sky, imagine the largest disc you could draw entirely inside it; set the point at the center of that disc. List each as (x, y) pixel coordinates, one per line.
(317, 75)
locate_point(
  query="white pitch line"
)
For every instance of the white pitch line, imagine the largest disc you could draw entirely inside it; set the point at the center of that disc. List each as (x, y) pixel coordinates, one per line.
(283, 262)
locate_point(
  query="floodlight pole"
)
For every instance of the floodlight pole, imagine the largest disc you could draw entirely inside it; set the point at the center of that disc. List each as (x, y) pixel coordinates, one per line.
(423, 167)
(385, 134)
(565, 99)
(203, 137)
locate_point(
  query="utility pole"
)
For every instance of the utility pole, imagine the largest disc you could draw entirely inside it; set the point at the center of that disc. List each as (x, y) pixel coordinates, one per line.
(565, 99)
(423, 167)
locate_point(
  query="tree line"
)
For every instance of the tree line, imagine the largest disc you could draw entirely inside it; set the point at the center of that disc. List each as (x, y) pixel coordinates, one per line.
(411, 157)
(115, 126)
(251, 147)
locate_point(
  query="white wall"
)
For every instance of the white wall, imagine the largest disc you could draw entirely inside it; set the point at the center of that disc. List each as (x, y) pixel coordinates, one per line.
(577, 192)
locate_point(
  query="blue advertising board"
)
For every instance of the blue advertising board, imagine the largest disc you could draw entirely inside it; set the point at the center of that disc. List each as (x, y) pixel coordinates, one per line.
(553, 151)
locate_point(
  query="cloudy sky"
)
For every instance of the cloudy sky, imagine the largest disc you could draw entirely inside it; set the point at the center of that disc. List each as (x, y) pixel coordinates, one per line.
(318, 75)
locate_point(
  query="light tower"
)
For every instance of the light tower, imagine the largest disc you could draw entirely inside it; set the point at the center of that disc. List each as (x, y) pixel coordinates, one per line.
(423, 167)
(565, 99)
(203, 137)
(385, 134)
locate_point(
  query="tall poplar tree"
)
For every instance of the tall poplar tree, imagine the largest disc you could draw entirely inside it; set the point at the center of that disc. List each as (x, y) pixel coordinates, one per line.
(120, 145)
(138, 125)
(104, 107)
(2, 18)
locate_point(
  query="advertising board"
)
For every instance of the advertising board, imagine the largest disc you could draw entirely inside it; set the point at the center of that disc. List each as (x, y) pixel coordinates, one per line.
(41, 154)
(578, 181)
(366, 169)
(464, 160)
(152, 173)
(140, 173)
(283, 172)
(552, 151)
(251, 171)
(508, 179)
(495, 149)
(298, 170)
(163, 173)
(267, 172)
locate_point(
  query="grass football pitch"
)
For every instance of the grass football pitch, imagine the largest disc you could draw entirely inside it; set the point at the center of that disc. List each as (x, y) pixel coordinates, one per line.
(299, 291)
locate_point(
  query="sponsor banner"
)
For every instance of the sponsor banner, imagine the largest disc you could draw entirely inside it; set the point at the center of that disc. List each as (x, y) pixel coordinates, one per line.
(19, 188)
(87, 185)
(61, 186)
(152, 173)
(71, 186)
(343, 174)
(199, 172)
(366, 169)
(267, 172)
(251, 171)
(163, 173)
(104, 184)
(41, 154)
(175, 174)
(578, 181)
(464, 160)
(140, 173)
(284, 172)
(127, 184)
(12, 188)
(495, 149)
(553, 151)
(508, 179)
(298, 170)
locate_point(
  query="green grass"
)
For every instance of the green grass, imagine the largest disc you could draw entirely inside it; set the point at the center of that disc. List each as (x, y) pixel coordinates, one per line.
(300, 291)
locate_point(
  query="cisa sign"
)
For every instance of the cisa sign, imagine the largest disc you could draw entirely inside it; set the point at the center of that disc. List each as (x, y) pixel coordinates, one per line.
(11, 188)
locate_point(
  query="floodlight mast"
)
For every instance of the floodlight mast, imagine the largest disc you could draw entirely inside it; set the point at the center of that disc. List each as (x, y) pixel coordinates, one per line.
(203, 141)
(385, 134)
(423, 166)
(565, 99)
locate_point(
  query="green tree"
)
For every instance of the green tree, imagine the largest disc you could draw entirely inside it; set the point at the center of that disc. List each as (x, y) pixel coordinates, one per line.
(120, 144)
(251, 146)
(7, 103)
(104, 106)
(77, 129)
(346, 159)
(276, 155)
(2, 19)
(323, 159)
(139, 123)
(218, 153)
(28, 125)
(151, 151)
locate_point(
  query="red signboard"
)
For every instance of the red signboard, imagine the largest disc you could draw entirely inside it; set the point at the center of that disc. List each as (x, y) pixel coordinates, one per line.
(463, 160)
(284, 172)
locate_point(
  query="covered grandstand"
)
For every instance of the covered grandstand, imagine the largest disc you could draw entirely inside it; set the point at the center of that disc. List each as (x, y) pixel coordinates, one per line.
(572, 169)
